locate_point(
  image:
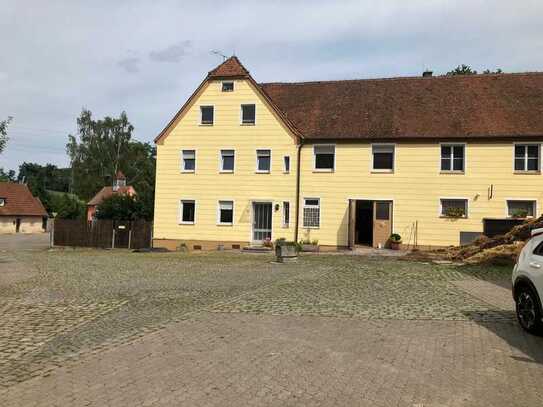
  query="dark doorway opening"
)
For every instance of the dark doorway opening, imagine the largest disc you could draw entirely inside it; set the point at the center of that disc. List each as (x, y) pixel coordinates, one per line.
(17, 225)
(364, 223)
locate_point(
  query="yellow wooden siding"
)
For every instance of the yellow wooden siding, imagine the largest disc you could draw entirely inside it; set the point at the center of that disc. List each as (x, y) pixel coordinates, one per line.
(416, 187)
(207, 186)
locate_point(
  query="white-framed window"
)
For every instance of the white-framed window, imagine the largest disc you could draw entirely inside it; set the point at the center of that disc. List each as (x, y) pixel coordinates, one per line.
(207, 115)
(248, 113)
(188, 160)
(263, 160)
(187, 211)
(227, 86)
(453, 157)
(324, 157)
(2, 201)
(225, 215)
(453, 207)
(286, 214)
(383, 157)
(527, 157)
(286, 164)
(517, 208)
(312, 213)
(227, 160)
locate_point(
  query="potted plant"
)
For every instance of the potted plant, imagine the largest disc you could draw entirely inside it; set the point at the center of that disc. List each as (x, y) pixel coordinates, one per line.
(519, 213)
(455, 212)
(285, 251)
(309, 245)
(395, 241)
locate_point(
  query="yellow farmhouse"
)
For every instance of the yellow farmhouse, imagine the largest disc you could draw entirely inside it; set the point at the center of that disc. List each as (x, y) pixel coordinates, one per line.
(438, 160)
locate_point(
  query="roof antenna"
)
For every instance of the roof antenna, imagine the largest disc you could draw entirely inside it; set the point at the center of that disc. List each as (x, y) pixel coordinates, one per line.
(219, 53)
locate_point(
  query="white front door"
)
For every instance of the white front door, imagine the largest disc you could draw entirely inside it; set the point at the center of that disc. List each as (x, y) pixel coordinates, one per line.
(262, 221)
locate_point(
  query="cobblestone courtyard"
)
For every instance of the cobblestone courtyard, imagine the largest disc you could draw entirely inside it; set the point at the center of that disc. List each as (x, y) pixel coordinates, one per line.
(87, 327)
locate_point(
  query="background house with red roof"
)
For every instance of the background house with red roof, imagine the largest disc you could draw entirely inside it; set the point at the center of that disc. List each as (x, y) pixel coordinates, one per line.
(119, 187)
(20, 211)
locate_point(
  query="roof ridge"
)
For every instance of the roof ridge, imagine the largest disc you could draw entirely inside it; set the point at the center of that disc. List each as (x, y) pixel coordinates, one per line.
(398, 78)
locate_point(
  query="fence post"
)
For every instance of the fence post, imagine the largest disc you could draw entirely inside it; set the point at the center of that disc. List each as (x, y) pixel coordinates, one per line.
(129, 236)
(52, 234)
(113, 237)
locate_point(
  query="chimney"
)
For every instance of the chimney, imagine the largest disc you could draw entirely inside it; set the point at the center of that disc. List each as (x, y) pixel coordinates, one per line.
(427, 74)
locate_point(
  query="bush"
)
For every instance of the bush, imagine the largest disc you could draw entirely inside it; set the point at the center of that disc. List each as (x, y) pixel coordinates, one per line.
(455, 212)
(395, 237)
(121, 207)
(519, 213)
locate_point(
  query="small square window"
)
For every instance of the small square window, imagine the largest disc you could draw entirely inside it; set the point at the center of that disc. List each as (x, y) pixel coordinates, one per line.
(2, 201)
(207, 113)
(227, 160)
(228, 86)
(324, 157)
(311, 213)
(263, 160)
(226, 212)
(521, 209)
(188, 160)
(452, 157)
(454, 208)
(527, 157)
(382, 210)
(286, 163)
(248, 114)
(188, 209)
(383, 157)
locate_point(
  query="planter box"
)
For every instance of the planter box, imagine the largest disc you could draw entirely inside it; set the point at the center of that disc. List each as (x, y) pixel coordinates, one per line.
(286, 253)
(395, 245)
(310, 248)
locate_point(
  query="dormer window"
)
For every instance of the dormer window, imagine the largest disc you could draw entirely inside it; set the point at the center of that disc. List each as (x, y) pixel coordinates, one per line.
(228, 86)
(2, 201)
(206, 115)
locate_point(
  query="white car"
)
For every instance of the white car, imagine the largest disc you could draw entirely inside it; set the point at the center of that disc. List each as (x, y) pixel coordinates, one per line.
(528, 284)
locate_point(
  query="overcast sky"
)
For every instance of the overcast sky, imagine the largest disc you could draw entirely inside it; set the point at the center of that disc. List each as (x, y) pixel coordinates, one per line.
(146, 57)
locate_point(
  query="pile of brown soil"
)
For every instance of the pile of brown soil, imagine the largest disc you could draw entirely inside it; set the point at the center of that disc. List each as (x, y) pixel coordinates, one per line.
(499, 250)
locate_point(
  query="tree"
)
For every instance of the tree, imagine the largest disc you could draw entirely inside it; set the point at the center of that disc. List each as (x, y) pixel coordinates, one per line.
(41, 179)
(488, 71)
(121, 207)
(4, 133)
(462, 70)
(104, 147)
(68, 206)
(8, 176)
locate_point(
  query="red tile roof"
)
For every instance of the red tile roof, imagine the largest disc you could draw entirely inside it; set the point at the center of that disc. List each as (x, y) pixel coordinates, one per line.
(231, 68)
(106, 192)
(19, 201)
(474, 106)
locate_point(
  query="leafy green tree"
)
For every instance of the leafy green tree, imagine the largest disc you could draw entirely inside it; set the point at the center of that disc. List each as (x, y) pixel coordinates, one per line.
(8, 176)
(488, 71)
(4, 133)
(104, 147)
(462, 70)
(67, 206)
(121, 207)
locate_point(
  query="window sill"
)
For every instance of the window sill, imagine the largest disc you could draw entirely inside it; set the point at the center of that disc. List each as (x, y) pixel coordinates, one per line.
(452, 172)
(187, 172)
(247, 124)
(325, 170)
(186, 223)
(225, 224)
(262, 172)
(310, 227)
(285, 226)
(226, 171)
(527, 172)
(374, 171)
(206, 124)
(286, 172)
(452, 217)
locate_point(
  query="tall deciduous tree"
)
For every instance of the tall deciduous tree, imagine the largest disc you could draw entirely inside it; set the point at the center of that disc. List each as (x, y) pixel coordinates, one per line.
(462, 70)
(4, 133)
(104, 147)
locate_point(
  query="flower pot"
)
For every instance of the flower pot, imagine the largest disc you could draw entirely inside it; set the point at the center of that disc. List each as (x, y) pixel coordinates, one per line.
(310, 247)
(395, 245)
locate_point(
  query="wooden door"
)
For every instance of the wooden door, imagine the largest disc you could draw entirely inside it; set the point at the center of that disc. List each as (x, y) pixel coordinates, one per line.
(382, 223)
(352, 223)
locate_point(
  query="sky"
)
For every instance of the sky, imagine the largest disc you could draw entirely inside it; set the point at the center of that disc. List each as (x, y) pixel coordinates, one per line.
(147, 57)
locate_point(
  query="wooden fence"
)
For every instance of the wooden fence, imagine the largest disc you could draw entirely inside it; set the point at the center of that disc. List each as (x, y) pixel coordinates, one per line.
(103, 233)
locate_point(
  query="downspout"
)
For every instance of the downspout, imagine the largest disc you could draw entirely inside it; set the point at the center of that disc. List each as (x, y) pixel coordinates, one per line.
(298, 176)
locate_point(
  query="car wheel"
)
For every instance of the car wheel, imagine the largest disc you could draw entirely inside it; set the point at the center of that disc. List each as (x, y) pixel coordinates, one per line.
(528, 311)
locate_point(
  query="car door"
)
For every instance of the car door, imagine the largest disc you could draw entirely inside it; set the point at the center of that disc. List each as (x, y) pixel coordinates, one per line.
(534, 268)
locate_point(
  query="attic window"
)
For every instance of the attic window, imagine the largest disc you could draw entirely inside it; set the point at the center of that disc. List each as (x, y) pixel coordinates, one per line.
(2, 201)
(206, 116)
(228, 86)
